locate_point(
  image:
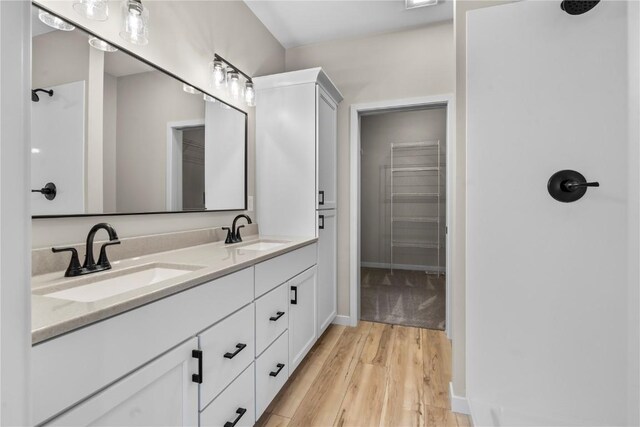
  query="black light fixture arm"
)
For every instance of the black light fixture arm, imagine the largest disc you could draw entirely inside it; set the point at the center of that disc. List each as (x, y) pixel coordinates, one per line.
(220, 58)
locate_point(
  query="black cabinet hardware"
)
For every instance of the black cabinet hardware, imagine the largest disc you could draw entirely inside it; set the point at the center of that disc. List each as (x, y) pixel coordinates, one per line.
(321, 222)
(240, 412)
(295, 295)
(321, 197)
(277, 371)
(197, 378)
(568, 186)
(277, 316)
(49, 191)
(239, 348)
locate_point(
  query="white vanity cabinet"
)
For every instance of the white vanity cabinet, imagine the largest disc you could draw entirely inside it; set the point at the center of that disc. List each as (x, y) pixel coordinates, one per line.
(302, 315)
(159, 394)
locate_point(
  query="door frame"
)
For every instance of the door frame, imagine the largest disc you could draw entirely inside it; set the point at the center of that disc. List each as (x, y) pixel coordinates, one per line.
(357, 111)
(174, 168)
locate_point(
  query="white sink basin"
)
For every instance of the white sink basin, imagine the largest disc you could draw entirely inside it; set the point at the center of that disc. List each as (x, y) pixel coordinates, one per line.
(121, 282)
(263, 245)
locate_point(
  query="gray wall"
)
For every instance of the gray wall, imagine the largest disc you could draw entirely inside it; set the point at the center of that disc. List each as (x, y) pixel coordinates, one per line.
(377, 133)
(365, 70)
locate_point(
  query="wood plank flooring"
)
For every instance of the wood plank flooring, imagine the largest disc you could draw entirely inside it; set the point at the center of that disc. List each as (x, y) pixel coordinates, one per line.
(373, 375)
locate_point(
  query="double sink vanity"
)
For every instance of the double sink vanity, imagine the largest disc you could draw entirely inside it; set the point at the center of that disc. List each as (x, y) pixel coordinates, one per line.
(201, 335)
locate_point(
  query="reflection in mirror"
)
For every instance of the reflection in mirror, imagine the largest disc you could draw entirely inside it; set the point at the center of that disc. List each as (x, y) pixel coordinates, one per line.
(116, 135)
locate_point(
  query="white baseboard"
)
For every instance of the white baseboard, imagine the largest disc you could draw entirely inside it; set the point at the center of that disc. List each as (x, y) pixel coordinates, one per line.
(458, 404)
(342, 320)
(413, 267)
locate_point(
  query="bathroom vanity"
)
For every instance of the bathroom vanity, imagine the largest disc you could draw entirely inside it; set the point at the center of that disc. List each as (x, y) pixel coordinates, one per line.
(207, 336)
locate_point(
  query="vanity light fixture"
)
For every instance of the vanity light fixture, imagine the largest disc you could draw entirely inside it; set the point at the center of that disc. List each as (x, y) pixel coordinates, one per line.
(135, 24)
(249, 94)
(222, 71)
(190, 89)
(101, 45)
(412, 4)
(218, 72)
(54, 22)
(96, 10)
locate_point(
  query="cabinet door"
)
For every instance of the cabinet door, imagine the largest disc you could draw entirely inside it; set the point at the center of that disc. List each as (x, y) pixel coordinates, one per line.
(327, 274)
(327, 137)
(160, 393)
(302, 315)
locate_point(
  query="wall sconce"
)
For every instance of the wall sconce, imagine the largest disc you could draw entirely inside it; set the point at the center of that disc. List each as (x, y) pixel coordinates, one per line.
(96, 10)
(223, 72)
(135, 25)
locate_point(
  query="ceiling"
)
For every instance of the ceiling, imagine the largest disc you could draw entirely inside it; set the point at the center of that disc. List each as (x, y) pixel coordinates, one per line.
(301, 22)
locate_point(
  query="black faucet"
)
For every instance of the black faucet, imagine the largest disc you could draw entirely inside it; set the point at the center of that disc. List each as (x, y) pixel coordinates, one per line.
(233, 233)
(90, 266)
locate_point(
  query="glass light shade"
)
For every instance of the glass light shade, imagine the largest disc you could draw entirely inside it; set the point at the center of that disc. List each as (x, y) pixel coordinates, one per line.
(190, 89)
(208, 98)
(250, 94)
(233, 80)
(218, 72)
(96, 10)
(135, 24)
(54, 22)
(101, 45)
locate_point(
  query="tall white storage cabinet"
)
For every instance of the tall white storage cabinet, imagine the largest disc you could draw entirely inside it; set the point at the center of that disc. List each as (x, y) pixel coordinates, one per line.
(296, 174)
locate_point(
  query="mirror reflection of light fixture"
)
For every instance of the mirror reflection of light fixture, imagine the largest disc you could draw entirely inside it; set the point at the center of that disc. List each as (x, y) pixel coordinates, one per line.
(233, 80)
(218, 72)
(54, 22)
(412, 4)
(249, 94)
(101, 45)
(208, 98)
(96, 10)
(135, 25)
(190, 89)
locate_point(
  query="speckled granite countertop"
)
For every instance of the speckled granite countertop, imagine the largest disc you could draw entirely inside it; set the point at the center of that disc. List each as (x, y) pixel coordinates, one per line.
(51, 317)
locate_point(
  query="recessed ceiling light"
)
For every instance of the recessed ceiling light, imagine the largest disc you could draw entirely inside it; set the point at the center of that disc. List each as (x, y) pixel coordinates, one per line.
(54, 22)
(101, 45)
(412, 4)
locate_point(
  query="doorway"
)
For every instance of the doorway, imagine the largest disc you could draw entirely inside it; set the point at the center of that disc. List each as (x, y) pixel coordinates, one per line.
(403, 217)
(400, 262)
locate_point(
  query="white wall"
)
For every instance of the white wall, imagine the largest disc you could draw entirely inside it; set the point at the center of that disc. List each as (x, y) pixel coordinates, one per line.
(183, 38)
(109, 142)
(364, 69)
(378, 131)
(548, 282)
(15, 227)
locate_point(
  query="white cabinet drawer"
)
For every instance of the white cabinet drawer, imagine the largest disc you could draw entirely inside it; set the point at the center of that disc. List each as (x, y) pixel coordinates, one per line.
(278, 270)
(272, 317)
(237, 402)
(88, 359)
(227, 349)
(271, 372)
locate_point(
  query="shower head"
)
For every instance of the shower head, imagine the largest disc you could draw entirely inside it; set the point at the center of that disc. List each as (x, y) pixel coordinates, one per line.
(34, 93)
(578, 7)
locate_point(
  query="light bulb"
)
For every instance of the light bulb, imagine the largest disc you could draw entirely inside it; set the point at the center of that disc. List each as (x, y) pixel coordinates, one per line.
(54, 22)
(101, 45)
(234, 84)
(96, 10)
(135, 28)
(190, 89)
(218, 73)
(250, 94)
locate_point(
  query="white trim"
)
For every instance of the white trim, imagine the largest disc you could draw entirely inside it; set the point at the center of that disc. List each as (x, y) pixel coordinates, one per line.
(459, 404)
(15, 213)
(342, 320)
(395, 266)
(173, 199)
(354, 191)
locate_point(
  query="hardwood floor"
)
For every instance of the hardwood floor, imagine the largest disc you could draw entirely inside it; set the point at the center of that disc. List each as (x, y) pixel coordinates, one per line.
(373, 375)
